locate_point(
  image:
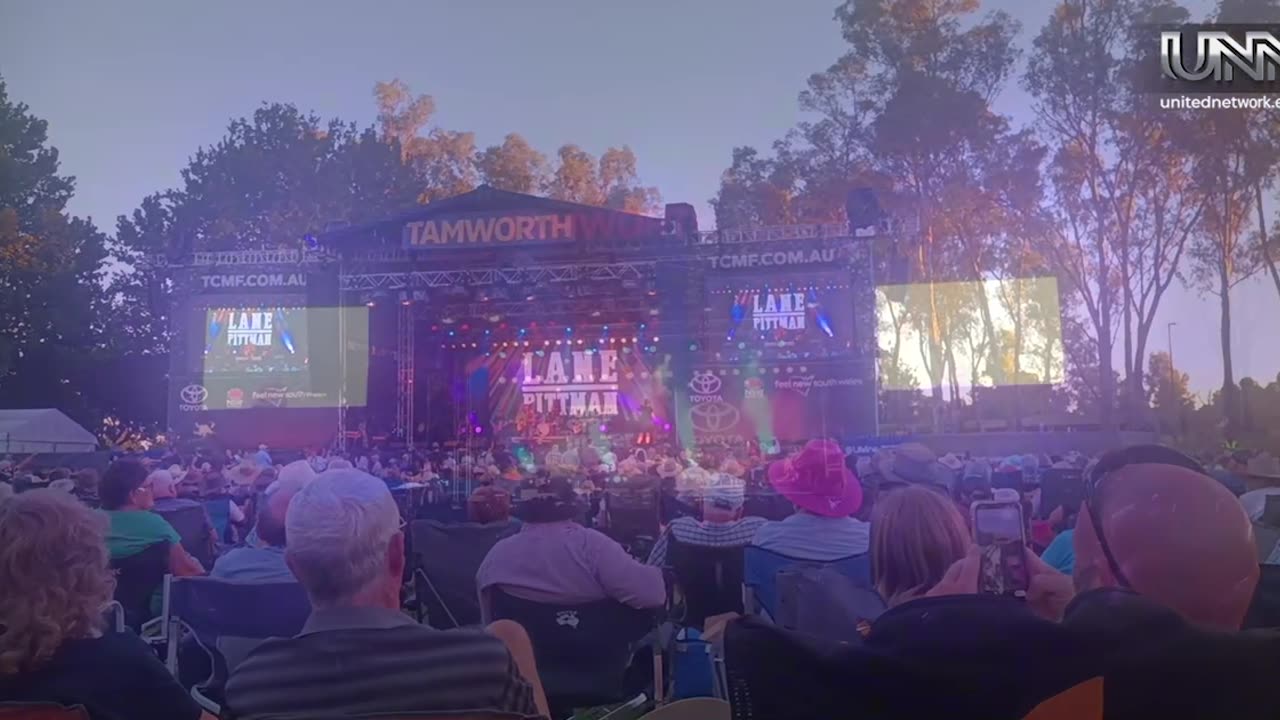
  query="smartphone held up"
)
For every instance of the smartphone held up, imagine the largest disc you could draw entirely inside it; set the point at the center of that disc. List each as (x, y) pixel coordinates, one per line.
(1000, 532)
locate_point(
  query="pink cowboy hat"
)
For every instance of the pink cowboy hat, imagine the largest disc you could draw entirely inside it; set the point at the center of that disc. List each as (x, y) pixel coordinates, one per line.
(817, 480)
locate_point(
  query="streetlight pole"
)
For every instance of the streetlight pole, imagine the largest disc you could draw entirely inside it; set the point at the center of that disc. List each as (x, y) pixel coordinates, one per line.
(1172, 381)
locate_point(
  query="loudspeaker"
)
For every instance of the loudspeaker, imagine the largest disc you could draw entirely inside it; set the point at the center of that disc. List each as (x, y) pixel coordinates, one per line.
(863, 209)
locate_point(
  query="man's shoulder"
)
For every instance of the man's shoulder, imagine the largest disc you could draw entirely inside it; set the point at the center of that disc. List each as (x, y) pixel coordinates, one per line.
(374, 645)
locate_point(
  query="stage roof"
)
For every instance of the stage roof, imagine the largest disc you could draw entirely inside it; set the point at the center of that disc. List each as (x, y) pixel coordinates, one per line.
(42, 431)
(484, 199)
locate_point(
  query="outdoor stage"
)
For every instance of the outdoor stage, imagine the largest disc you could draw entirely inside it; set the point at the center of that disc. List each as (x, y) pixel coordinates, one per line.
(499, 314)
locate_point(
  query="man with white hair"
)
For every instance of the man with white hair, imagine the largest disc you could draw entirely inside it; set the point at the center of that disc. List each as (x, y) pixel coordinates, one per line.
(721, 526)
(358, 654)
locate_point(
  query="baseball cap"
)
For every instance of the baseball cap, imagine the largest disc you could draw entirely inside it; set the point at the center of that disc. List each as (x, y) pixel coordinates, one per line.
(726, 492)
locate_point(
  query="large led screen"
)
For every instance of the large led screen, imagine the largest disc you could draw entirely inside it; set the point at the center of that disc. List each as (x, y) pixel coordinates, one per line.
(988, 333)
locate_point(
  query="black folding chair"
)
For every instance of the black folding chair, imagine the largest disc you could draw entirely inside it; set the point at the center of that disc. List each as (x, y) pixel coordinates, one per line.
(211, 609)
(1264, 611)
(445, 559)
(195, 531)
(633, 519)
(710, 580)
(138, 577)
(582, 651)
(1061, 487)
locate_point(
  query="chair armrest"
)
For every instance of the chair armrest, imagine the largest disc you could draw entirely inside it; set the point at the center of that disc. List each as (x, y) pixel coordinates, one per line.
(205, 703)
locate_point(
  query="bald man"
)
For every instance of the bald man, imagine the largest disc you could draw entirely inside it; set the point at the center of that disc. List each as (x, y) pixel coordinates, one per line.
(1176, 536)
(264, 560)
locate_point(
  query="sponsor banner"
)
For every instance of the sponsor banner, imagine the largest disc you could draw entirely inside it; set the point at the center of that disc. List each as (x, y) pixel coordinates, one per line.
(789, 403)
(483, 230)
(776, 258)
(236, 392)
(251, 281)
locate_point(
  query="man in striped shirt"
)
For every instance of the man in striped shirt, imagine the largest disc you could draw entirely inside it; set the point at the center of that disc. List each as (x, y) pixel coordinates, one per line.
(722, 524)
(358, 654)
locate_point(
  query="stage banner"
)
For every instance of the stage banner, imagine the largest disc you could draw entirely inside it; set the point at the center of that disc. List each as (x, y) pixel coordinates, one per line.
(783, 403)
(530, 387)
(529, 228)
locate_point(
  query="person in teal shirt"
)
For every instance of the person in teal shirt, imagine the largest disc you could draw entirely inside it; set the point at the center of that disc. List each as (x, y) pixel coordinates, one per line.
(1061, 553)
(125, 492)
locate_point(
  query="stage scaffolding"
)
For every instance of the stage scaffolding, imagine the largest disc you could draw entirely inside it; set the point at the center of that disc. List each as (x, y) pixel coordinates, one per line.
(362, 275)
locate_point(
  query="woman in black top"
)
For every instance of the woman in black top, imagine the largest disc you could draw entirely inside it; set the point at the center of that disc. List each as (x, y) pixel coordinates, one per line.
(54, 647)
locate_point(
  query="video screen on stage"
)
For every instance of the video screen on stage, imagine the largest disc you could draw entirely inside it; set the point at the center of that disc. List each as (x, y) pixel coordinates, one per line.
(989, 333)
(284, 356)
(255, 340)
(808, 316)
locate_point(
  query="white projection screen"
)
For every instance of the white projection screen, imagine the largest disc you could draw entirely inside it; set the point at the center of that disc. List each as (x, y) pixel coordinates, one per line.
(987, 333)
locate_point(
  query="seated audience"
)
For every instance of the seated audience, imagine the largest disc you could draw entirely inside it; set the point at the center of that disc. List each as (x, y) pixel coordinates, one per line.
(489, 505)
(126, 497)
(358, 654)
(555, 559)
(826, 495)
(263, 561)
(722, 523)
(164, 490)
(87, 487)
(223, 512)
(1061, 553)
(1262, 477)
(1231, 471)
(54, 643)
(916, 535)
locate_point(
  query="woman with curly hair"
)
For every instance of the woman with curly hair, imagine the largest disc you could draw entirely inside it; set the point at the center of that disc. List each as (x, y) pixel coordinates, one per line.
(54, 647)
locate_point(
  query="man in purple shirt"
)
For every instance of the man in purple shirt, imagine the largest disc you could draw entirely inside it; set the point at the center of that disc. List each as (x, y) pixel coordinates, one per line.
(555, 560)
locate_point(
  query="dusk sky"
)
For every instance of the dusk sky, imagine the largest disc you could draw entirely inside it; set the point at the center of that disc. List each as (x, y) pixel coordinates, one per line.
(132, 88)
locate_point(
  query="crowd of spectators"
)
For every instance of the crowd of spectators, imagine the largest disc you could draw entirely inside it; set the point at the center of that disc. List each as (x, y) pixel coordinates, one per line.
(1147, 579)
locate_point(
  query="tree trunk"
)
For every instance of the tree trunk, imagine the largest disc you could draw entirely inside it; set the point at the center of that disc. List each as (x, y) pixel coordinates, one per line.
(1262, 232)
(1106, 347)
(1229, 399)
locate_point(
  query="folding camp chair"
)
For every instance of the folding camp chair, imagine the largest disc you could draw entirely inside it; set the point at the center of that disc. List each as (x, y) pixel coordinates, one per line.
(710, 580)
(209, 609)
(445, 559)
(760, 570)
(582, 651)
(138, 577)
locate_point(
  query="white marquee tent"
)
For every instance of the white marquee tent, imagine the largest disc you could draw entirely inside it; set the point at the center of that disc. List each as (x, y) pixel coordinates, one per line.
(42, 431)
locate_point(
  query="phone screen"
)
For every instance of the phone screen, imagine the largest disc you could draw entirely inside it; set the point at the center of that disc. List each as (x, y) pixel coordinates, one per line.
(998, 529)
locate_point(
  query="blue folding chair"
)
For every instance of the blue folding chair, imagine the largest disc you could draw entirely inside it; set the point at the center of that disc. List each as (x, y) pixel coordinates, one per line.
(760, 570)
(209, 608)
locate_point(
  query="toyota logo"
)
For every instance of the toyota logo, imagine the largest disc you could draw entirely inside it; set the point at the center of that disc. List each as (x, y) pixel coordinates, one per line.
(714, 417)
(705, 383)
(193, 395)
